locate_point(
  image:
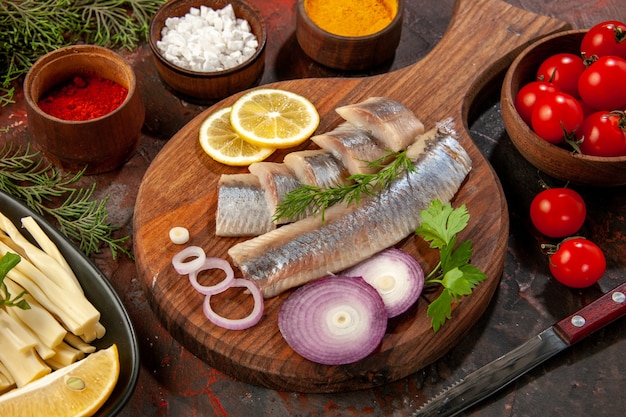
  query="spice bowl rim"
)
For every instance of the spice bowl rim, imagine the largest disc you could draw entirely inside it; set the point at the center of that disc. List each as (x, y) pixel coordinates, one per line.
(62, 53)
(154, 35)
(348, 53)
(397, 18)
(117, 134)
(554, 160)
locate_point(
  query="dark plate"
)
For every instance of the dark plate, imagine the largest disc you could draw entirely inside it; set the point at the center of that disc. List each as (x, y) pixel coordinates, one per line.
(119, 329)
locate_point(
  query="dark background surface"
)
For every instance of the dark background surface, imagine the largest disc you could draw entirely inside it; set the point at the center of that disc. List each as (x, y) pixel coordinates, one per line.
(588, 379)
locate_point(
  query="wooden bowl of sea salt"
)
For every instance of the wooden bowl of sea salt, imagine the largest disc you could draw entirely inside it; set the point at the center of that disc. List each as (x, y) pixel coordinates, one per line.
(208, 50)
(349, 34)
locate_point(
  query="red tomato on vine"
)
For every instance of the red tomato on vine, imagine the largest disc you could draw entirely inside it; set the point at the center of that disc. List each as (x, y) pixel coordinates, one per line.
(603, 84)
(528, 96)
(555, 116)
(563, 70)
(604, 39)
(603, 134)
(558, 212)
(577, 263)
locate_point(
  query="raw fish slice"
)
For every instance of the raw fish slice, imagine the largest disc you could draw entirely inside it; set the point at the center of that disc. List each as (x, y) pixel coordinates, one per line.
(393, 124)
(277, 179)
(317, 167)
(242, 207)
(311, 248)
(354, 147)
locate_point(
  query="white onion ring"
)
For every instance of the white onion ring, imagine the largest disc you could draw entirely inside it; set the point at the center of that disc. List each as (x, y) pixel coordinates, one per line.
(184, 268)
(237, 324)
(213, 263)
(396, 275)
(179, 235)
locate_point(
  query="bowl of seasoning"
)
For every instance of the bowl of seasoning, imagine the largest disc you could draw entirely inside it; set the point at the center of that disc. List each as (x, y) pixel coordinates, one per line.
(559, 160)
(83, 107)
(208, 50)
(349, 34)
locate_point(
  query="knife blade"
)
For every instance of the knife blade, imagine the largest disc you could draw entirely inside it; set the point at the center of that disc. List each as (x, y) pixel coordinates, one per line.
(507, 368)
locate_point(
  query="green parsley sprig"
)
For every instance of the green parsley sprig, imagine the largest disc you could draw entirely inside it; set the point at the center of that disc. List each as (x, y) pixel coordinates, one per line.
(8, 262)
(440, 226)
(313, 199)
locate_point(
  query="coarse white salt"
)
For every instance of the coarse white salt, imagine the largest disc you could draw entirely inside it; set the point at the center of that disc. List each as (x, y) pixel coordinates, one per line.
(207, 40)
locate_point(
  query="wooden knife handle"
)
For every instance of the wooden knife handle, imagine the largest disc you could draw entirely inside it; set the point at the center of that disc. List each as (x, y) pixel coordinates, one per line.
(594, 316)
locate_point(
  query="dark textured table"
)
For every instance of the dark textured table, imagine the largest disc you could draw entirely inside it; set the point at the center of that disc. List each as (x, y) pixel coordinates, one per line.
(587, 379)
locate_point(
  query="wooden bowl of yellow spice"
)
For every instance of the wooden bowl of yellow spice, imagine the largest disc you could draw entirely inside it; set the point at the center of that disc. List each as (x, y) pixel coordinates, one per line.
(349, 34)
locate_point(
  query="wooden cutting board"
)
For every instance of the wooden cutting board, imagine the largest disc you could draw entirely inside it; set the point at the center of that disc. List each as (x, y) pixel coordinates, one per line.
(180, 189)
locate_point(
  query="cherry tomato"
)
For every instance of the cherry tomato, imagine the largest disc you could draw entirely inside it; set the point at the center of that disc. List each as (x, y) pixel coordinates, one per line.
(563, 70)
(558, 212)
(528, 95)
(577, 263)
(556, 115)
(604, 39)
(602, 134)
(587, 109)
(603, 84)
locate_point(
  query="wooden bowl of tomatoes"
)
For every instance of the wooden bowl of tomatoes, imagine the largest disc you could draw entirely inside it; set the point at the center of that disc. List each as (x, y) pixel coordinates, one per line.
(563, 107)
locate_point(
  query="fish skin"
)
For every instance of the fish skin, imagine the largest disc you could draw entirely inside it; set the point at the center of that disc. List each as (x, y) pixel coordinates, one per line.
(317, 167)
(241, 207)
(393, 124)
(309, 249)
(277, 179)
(354, 147)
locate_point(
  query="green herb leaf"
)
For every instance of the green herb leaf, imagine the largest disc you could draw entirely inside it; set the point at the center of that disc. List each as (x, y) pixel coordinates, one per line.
(451, 259)
(456, 284)
(440, 310)
(31, 28)
(440, 226)
(440, 223)
(308, 198)
(8, 262)
(80, 218)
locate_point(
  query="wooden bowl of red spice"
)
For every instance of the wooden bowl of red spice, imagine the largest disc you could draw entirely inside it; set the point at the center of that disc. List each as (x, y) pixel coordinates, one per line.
(83, 108)
(557, 160)
(206, 50)
(349, 34)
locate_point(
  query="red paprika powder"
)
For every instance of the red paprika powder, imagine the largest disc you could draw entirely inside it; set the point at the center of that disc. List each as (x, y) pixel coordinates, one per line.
(83, 97)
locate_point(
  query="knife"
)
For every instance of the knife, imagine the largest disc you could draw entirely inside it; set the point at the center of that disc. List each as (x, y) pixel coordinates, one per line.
(507, 368)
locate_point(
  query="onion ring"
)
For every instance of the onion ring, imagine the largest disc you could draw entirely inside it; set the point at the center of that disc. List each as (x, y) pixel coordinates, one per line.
(213, 263)
(333, 321)
(237, 324)
(184, 268)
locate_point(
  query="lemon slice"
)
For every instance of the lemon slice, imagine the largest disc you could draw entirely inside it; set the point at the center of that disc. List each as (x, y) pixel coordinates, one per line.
(275, 118)
(76, 390)
(222, 143)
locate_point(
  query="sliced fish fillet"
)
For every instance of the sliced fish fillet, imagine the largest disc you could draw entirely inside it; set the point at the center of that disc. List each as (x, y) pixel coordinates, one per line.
(309, 248)
(393, 124)
(317, 167)
(277, 179)
(242, 207)
(354, 147)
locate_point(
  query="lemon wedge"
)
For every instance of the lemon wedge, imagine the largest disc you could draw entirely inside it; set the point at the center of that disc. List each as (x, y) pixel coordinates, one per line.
(222, 143)
(274, 118)
(76, 390)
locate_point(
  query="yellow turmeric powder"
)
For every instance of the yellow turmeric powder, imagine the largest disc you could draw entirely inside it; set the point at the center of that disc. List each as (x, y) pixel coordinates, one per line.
(351, 17)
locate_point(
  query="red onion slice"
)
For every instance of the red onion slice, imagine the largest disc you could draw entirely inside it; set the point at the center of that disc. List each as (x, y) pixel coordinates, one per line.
(396, 275)
(333, 321)
(184, 267)
(237, 324)
(213, 263)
